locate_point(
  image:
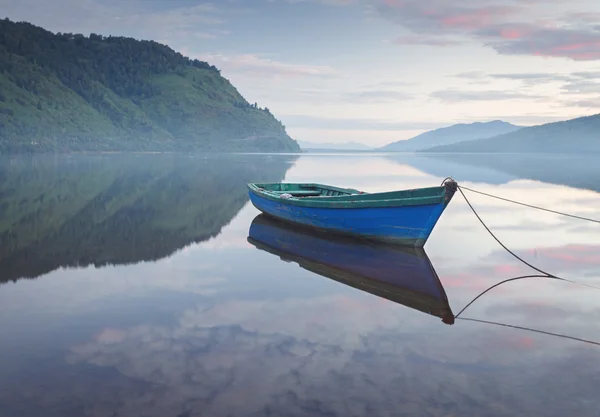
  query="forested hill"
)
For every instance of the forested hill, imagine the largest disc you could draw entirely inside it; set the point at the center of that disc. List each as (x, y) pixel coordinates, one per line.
(66, 92)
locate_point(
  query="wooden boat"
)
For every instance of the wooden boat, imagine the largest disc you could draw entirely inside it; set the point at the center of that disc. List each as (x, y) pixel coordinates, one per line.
(404, 217)
(397, 273)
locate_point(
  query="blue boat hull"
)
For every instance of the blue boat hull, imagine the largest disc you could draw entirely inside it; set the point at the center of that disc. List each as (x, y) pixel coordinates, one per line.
(406, 225)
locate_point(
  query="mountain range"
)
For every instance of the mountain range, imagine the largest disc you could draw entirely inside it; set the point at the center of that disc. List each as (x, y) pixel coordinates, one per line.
(576, 136)
(450, 135)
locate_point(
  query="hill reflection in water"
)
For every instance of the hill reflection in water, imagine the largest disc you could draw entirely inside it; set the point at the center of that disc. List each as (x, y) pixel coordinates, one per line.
(118, 209)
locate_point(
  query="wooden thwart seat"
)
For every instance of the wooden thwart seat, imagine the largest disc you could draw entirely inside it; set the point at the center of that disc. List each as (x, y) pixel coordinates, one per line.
(300, 193)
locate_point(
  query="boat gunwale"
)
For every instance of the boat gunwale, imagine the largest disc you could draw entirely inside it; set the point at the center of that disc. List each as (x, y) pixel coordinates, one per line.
(438, 196)
(346, 191)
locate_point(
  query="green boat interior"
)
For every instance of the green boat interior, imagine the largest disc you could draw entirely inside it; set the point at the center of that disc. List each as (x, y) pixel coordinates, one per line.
(320, 190)
(305, 190)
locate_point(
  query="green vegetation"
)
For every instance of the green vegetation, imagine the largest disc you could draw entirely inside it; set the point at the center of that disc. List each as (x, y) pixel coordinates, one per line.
(117, 209)
(66, 92)
(576, 136)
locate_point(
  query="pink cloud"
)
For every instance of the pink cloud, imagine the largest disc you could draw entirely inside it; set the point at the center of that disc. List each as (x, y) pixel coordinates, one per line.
(503, 28)
(111, 336)
(472, 280)
(570, 254)
(522, 342)
(544, 41)
(512, 33)
(508, 269)
(425, 40)
(432, 16)
(476, 18)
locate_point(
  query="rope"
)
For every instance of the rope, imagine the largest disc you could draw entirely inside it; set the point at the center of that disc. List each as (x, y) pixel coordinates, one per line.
(496, 285)
(518, 278)
(531, 330)
(530, 205)
(543, 273)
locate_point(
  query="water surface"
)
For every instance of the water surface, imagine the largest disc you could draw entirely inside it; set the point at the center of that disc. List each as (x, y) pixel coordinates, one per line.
(129, 287)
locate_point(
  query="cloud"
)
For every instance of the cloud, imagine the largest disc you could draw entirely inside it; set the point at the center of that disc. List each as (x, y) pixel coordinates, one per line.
(326, 2)
(593, 103)
(355, 97)
(509, 29)
(570, 259)
(582, 82)
(588, 17)
(425, 40)
(257, 66)
(570, 256)
(134, 18)
(529, 39)
(436, 16)
(382, 92)
(472, 75)
(452, 96)
(308, 357)
(387, 85)
(378, 96)
(581, 87)
(535, 76)
(587, 74)
(379, 93)
(331, 123)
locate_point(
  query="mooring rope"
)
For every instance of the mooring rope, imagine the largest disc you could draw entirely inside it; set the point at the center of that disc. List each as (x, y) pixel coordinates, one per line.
(530, 205)
(543, 273)
(498, 240)
(497, 285)
(521, 203)
(531, 330)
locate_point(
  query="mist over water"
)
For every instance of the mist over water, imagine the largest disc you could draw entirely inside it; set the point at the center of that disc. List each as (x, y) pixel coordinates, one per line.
(129, 287)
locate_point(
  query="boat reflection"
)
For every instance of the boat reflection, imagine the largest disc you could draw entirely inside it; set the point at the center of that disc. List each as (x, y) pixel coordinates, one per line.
(397, 273)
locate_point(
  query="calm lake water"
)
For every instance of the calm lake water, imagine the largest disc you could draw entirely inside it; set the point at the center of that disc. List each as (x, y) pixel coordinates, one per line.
(129, 287)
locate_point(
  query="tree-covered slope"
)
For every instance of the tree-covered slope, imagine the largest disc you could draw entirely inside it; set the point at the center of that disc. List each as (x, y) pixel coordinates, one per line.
(576, 136)
(65, 92)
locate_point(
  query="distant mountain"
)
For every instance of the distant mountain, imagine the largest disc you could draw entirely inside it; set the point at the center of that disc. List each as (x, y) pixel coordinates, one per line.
(355, 146)
(581, 135)
(452, 134)
(67, 92)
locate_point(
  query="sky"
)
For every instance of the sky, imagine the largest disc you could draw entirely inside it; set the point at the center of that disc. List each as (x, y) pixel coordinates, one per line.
(369, 71)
